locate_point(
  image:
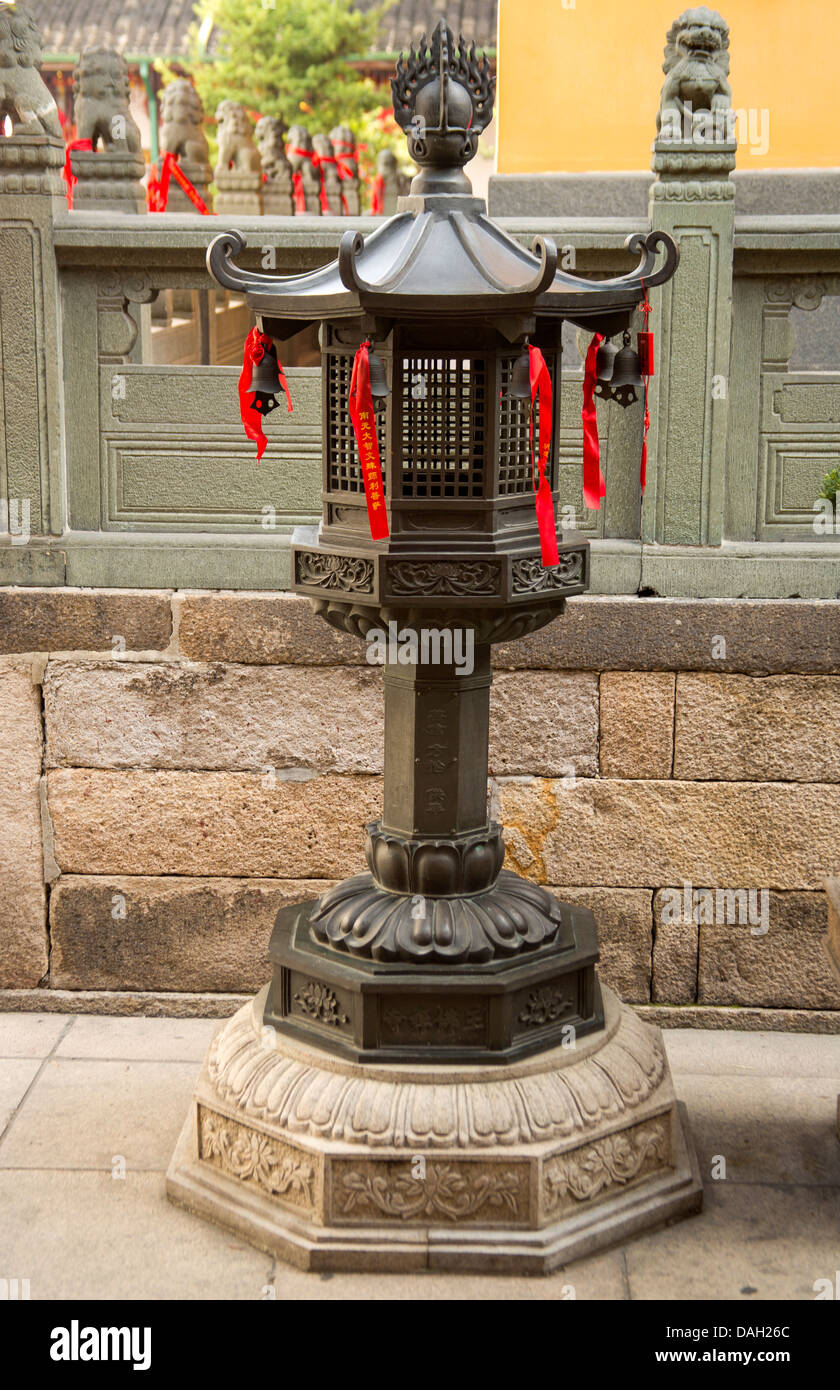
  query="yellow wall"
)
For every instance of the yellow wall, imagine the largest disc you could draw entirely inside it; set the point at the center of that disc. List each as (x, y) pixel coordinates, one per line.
(579, 87)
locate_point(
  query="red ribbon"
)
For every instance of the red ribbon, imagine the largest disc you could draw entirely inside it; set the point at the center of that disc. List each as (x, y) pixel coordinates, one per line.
(157, 189)
(69, 177)
(645, 340)
(377, 196)
(541, 391)
(256, 346)
(594, 487)
(297, 178)
(360, 404)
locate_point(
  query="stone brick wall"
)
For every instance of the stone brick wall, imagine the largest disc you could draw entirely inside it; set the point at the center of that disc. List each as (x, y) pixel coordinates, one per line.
(178, 765)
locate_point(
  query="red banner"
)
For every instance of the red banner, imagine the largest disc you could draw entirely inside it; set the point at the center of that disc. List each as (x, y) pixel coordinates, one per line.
(377, 196)
(360, 404)
(544, 503)
(645, 342)
(594, 487)
(69, 177)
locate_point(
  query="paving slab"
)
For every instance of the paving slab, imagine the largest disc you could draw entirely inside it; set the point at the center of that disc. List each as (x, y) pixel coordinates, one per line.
(750, 1243)
(80, 1114)
(138, 1039)
(16, 1076)
(736, 1052)
(80, 1235)
(767, 1129)
(599, 1278)
(31, 1034)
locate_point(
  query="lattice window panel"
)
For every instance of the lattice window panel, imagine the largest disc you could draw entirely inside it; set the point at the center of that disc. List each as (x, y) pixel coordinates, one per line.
(343, 468)
(443, 426)
(515, 468)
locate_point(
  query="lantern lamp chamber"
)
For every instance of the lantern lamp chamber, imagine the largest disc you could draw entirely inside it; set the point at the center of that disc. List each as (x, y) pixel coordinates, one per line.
(433, 1076)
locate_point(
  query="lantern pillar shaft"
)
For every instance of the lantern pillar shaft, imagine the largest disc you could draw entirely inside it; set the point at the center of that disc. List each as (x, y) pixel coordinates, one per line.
(437, 720)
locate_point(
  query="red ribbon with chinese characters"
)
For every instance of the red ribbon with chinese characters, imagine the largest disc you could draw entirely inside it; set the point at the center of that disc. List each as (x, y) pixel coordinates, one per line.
(69, 177)
(594, 486)
(157, 189)
(360, 404)
(645, 341)
(256, 346)
(541, 391)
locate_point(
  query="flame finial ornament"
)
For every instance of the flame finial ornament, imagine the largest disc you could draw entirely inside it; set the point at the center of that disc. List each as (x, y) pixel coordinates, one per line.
(443, 98)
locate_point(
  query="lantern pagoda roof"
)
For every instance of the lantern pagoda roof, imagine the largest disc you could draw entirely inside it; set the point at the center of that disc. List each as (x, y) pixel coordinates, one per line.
(441, 255)
(445, 258)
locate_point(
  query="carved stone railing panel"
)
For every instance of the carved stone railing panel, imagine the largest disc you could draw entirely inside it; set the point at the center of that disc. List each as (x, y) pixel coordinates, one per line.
(799, 424)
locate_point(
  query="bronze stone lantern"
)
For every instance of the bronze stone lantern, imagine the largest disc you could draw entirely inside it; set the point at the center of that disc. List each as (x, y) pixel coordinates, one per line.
(438, 955)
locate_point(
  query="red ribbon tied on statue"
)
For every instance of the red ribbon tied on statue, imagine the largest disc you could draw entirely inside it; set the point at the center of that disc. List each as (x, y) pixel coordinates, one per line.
(360, 404)
(157, 189)
(544, 503)
(377, 196)
(69, 177)
(256, 346)
(297, 179)
(594, 487)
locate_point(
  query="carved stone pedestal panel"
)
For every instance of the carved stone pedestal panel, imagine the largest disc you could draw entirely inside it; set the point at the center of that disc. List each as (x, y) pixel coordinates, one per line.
(333, 1164)
(238, 192)
(108, 181)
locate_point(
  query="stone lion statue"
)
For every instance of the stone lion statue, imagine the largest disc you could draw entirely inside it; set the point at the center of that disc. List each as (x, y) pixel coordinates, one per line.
(24, 95)
(269, 133)
(101, 101)
(236, 140)
(182, 122)
(696, 69)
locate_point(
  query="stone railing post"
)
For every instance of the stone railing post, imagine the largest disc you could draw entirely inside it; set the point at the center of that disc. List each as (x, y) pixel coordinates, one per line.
(277, 190)
(109, 174)
(691, 198)
(182, 134)
(344, 144)
(301, 155)
(238, 173)
(32, 193)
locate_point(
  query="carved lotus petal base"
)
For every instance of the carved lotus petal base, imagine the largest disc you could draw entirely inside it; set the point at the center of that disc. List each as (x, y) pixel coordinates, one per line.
(333, 1164)
(513, 917)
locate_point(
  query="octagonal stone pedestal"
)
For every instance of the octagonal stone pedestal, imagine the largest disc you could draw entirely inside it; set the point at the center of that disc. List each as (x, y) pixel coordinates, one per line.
(338, 1165)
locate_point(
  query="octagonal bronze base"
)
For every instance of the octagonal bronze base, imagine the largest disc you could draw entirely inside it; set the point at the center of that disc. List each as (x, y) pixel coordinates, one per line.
(390, 1010)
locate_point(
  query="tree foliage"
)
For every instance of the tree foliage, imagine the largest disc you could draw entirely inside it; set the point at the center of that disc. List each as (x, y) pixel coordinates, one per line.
(287, 58)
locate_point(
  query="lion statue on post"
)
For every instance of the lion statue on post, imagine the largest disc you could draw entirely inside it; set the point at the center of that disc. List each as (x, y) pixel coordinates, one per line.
(24, 95)
(237, 150)
(182, 122)
(696, 69)
(101, 102)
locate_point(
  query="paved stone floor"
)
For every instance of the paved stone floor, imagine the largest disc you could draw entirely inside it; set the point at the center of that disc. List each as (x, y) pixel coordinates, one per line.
(82, 1097)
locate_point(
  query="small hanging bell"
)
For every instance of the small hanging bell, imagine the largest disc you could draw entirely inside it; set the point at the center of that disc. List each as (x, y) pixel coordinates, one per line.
(519, 386)
(378, 381)
(604, 364)
(626, 374)
(265, 382)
